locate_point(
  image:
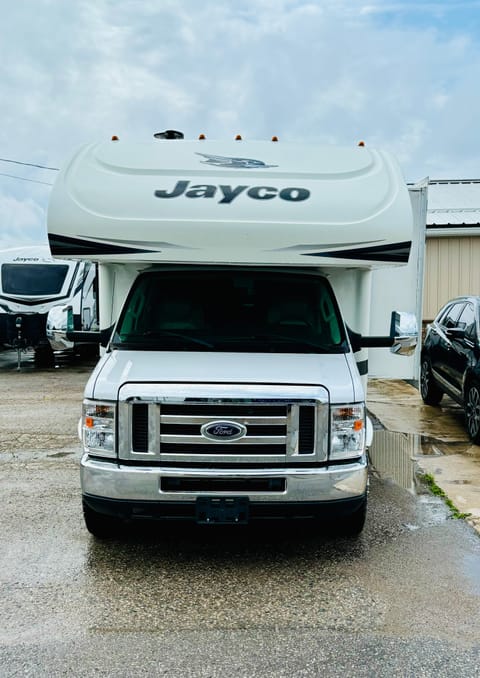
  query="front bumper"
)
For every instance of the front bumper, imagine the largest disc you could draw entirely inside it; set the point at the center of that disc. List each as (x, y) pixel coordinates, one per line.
(136, 491)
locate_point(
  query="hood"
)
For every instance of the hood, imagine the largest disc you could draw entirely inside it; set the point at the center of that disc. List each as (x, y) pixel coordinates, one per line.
(335, 372)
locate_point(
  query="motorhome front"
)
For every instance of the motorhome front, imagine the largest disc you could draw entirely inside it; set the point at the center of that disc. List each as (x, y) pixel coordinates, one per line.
(234, 283)
(33, 285)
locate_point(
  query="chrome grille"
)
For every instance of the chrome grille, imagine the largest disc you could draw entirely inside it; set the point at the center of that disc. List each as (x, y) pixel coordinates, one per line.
(266, 427)
(140, 427)
(277, 429)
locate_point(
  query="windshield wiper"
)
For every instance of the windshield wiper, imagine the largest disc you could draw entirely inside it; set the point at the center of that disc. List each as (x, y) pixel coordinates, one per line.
(301, 341)
(178, 335)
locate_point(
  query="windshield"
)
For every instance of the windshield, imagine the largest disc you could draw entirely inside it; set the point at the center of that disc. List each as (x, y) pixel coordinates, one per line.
(254, 311)
(33, 279)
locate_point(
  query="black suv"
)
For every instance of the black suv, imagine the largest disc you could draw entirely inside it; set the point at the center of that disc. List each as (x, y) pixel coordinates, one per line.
(450, 361)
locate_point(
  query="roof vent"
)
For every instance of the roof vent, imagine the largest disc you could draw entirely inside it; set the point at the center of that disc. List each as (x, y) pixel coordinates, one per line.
(169, 134)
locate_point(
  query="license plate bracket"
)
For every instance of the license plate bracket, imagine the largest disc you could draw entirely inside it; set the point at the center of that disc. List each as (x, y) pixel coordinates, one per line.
(222, 510)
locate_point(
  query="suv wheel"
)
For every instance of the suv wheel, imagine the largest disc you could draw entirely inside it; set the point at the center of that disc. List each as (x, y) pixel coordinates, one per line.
(430, 392)
(472, 412)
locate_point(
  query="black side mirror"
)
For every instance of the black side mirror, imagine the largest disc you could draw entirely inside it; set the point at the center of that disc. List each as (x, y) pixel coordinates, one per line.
(455, 333)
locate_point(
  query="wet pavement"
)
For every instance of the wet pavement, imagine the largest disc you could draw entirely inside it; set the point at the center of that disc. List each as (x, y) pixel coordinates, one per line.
(403, 599)
(422, 439)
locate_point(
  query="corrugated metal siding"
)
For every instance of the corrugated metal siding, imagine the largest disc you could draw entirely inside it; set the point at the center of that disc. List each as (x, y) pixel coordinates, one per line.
(452, 268)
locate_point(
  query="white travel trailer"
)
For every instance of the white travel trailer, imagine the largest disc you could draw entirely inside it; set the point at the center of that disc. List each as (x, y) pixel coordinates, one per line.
(33, 285)
(234, 302)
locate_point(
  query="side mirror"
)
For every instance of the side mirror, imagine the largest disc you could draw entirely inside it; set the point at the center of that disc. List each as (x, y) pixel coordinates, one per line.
(62, 335)
(402, 339)
(404, 332)
(457, 333)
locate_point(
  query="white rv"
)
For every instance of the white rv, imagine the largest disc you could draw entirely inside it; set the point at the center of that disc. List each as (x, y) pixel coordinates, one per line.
(234, 298)
(33, 286)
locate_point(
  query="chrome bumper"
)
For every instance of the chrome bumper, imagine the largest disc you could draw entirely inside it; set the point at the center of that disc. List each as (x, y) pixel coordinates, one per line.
(133, 483)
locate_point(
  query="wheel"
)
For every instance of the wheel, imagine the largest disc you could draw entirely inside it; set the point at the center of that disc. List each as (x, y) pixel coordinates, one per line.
(99, 524)
(430, 392)
(352, 524)
(44, 356)
(472, 412)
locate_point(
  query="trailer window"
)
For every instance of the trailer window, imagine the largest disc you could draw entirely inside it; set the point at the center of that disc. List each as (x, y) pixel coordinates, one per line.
(33, 279)
(231, 311)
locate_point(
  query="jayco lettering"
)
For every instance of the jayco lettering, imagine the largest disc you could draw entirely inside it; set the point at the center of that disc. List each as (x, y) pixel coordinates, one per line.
(227, 194)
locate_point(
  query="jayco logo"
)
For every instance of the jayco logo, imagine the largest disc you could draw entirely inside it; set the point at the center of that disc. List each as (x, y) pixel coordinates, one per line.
(228, 193)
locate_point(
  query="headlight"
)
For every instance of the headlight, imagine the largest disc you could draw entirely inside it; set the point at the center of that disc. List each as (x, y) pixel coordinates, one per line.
(98, 426)
(347, 431)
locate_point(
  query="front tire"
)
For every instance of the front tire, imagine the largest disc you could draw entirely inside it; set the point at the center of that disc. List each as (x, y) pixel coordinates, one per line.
(352, 524)
(472, 413)
(99, 524)
(430, 392)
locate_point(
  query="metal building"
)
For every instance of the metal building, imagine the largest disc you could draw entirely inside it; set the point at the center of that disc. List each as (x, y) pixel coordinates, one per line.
(452, 257)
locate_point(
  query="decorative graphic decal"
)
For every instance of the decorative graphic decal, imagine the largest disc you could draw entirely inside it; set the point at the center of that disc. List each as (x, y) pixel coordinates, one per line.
(63, 245)
(237, 163)
(395, 253)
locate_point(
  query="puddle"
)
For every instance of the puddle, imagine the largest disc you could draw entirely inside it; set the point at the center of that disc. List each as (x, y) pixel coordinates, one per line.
(411, 438)
(394, 455)
(401, 457)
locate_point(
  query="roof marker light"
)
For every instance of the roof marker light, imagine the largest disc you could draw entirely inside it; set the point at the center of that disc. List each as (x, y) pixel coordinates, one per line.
(274, 138)
(201, 137)
(238, 137)
(361, 143)
(115, 138)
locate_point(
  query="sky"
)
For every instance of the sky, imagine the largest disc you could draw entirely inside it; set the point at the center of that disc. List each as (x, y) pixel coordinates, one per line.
(403, 76)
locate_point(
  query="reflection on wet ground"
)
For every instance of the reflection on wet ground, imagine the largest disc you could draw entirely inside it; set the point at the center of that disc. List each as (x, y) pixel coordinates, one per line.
(393, 456)
(396, 455)
(411, 439)
(10, 361)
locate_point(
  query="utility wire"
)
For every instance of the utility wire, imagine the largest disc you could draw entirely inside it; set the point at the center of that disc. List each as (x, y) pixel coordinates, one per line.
(34, 181)
(30, 164)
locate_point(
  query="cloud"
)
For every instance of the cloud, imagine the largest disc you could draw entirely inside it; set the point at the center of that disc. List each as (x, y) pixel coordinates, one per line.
(332, 71)
(22, 222)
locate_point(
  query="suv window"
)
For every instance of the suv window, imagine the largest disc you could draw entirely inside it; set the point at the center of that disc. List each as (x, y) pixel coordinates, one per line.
(466, 322)
(449, 318)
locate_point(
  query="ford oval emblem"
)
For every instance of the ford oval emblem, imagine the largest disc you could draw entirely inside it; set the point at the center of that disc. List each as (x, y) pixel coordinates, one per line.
(225, 431)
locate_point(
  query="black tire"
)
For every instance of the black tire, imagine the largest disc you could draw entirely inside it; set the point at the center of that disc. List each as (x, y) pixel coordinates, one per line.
(430, 392)
(351, 525)
(99, 524)
(88, 351)
(44, 356)
(472, 412)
